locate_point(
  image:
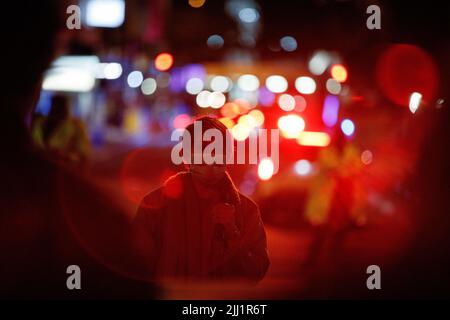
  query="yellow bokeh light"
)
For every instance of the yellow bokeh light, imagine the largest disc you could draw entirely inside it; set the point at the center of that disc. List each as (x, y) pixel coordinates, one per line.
(257, 116)
(196, 3)
(240, 132)
(339, 73)
(227, 122)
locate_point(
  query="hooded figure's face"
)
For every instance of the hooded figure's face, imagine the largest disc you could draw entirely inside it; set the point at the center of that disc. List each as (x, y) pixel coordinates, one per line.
(208, 175)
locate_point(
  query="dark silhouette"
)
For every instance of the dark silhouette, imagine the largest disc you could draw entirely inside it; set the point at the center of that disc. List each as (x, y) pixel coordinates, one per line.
(50, 218)
(199, 227)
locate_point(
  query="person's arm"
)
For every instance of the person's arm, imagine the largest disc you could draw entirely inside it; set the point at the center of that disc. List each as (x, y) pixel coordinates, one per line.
(248, 246)
(145, 234)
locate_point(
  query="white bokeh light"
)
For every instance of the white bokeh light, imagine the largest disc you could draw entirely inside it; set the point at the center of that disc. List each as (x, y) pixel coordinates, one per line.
(203, 99)
(333, 86)
(319, 62)
(216, 99)
(148, 86)
(105, 13)
(286, 102)
(414, 101)
(248, 15)
(248, 82)
(220, 84)
(305, 85)
(303, 167)
(276, 84)
(113, 71)
(135, 79)
(194, 86)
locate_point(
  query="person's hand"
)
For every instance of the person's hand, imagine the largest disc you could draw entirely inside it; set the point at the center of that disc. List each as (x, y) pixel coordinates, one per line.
(225, 214)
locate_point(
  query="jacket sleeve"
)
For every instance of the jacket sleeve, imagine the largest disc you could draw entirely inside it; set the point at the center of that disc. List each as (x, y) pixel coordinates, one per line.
(145, 235)
(249, 253)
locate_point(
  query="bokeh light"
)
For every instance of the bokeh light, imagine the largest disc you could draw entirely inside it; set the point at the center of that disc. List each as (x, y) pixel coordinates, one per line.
(291, 125)
(265, 169)
(266, 97)
(303, 167)
(319, 62)
(163, 61)
(330, 110)
(333, 86)
(339, 73)
(248, 82)
(148, 86)
(305, 85)
(248, 121)
(414, 101)
(104, 14)
(113, 71)
(243, 104)
(314, 139)
(403, 69)
(135, 79)
(230, 110)
(348, 127)
(366, 157)
(181, 121)
(194, 86)
(276, 83)
(300, 103)
(288, 43)
(257, 116)
(240, 132)
(227, 122)
(248, 15)
(216, 99)
(202, 99)
(196, 3)
(286, 102)
(220, 84)
(215, 41)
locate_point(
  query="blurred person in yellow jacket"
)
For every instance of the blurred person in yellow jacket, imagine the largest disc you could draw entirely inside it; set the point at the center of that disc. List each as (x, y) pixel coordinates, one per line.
(333, 206)
(63, 136)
